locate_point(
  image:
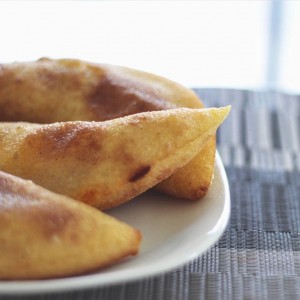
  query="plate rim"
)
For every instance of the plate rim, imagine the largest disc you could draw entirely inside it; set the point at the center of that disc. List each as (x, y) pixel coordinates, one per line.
(92, 281)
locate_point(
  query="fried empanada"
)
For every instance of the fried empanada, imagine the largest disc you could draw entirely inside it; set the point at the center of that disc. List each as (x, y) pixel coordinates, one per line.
(107, 163)
(45, 235)
(49, 91)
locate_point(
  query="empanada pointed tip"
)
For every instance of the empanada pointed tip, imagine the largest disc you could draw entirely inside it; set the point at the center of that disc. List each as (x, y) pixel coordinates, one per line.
(219, 112)
(226, 110)
(218, 115)
(223, 112)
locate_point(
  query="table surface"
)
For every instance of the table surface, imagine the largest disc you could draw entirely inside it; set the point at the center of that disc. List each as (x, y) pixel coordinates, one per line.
(258, 256)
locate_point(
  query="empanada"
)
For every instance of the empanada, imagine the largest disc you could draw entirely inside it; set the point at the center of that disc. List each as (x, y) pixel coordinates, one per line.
(45, 235)
(107, 163)
(49, 91)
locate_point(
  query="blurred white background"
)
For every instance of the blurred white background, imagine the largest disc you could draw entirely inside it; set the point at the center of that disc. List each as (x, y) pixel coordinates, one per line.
(236, 44)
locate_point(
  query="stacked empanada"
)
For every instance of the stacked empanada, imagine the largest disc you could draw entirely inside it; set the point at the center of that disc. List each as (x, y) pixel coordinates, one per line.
(101, 164)
(47, 91)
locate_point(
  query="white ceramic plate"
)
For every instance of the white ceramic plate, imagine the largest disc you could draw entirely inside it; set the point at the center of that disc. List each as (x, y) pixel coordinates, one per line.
(174, 232)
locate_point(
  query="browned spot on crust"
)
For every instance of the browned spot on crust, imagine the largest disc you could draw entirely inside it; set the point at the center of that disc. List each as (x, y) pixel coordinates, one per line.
(68, 141)
(88, 196)
(140, 173)
(115, 98)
